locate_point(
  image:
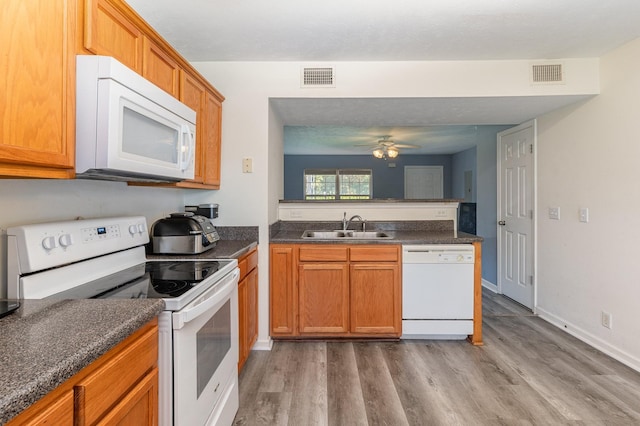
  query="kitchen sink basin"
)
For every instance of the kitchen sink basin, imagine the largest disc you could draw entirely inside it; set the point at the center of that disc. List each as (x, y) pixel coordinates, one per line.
(346, 235)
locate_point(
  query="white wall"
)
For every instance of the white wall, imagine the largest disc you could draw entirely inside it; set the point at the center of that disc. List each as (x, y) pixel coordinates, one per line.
(248, 129)
(25, 201)
(588, 156)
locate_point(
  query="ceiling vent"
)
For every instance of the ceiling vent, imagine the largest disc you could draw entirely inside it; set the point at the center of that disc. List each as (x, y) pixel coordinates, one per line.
(318, 77)
(547, 74)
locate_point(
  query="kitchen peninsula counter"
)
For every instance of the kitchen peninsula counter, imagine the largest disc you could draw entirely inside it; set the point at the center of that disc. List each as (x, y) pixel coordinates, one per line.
(46, 342)
(402, 232)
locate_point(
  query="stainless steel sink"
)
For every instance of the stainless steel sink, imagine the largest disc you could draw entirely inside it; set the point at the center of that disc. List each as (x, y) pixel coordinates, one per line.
(346, 235)
(325, 235)
(368, 235)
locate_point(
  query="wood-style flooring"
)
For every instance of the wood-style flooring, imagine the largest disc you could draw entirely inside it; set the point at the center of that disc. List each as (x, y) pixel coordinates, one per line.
(527, 373)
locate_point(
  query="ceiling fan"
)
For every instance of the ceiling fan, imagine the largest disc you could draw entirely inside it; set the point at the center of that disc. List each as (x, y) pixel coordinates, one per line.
(387, 148)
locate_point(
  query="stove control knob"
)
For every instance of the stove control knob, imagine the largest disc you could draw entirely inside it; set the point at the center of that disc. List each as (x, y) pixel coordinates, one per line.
(65, 240)
(133, 229)
(141, 229)
(49, 243)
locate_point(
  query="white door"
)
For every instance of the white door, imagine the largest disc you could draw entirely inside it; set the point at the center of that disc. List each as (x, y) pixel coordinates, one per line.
(423, 182)
(515, 213)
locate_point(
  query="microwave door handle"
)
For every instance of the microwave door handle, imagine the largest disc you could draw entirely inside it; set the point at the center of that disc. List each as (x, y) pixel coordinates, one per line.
(190, 148)
(207, 300)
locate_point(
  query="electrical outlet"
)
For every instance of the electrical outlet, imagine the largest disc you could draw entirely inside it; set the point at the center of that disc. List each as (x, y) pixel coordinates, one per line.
(247, 165)
(606, 319)
(554, 213)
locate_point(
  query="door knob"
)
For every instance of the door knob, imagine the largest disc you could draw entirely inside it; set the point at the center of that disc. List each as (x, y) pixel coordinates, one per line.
(502, 223)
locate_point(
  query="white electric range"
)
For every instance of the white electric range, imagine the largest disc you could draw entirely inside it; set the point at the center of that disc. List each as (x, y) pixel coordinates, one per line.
(105, 258)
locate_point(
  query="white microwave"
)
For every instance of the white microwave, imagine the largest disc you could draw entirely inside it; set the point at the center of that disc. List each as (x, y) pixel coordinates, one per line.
(129, 129)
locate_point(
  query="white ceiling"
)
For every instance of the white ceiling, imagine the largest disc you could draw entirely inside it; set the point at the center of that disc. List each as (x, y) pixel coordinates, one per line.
(383, 30)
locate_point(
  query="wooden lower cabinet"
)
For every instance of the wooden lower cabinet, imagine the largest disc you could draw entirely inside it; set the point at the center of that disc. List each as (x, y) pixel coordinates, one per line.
(282, 290)
(120, 387)
(323, 298)
(376, 307)
(335, 291)
(247, 305)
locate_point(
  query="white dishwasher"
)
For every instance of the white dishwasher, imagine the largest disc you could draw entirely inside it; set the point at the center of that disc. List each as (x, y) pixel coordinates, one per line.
(437, 291)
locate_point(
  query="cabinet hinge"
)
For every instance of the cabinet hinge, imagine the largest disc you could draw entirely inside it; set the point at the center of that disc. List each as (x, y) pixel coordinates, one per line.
(531, 148)
(530, 279)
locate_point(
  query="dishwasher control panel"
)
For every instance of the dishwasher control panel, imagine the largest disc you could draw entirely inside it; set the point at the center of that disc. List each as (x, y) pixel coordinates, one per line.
(436, 253)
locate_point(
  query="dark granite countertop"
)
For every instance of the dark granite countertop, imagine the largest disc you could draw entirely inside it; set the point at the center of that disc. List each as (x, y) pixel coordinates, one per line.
(402, 232)
(44, 343)
(376, 200)
(399, 237)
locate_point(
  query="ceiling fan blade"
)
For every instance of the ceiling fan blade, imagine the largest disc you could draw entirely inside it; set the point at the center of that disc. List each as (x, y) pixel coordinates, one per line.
(405, 145)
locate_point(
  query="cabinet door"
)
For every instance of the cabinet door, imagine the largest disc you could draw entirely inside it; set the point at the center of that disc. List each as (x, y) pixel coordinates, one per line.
(58, 413)
(282, 293)
(252, 309)
(109, 32)
(212, 143)
(242, 323)
(193, 94)
(323, 303)
(160, 68)
(376, 298)
(139, 407)
(37, 99)
(95, 394)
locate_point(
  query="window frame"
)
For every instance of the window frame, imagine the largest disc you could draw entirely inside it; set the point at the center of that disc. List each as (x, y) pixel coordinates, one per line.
(337, 196)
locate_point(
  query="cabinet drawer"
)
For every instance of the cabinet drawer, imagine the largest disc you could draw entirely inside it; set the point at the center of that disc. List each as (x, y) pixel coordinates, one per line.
(323, 253)
(99, 391)
(374, 254)
(248, 262)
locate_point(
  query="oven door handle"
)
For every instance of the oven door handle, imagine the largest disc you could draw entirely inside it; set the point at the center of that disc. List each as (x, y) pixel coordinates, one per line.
(207, 300)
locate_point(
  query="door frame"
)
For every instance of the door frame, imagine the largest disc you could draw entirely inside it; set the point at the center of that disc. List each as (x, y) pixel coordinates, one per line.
(534, 230)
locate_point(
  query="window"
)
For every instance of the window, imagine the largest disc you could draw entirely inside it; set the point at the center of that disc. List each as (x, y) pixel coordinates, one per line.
(337, 184)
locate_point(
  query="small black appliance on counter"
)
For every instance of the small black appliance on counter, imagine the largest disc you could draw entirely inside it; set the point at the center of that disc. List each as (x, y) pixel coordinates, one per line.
(183, 233)
(207, 210)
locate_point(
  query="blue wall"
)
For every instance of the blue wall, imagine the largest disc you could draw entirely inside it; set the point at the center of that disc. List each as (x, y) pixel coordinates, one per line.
(460, 163)
(388, 182)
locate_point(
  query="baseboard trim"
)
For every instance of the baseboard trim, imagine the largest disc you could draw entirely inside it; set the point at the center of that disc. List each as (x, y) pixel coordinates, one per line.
(590, 339)
(263, 345)
(489, 286)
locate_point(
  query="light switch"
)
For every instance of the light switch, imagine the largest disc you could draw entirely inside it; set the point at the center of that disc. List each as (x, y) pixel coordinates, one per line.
(554, 213)
(247, 165)
(584, 215)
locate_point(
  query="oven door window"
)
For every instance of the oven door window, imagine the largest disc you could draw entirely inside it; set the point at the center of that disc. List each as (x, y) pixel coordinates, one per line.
(213, 342)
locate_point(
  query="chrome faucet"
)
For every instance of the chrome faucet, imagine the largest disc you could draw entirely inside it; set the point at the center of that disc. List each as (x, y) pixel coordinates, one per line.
(346, 223)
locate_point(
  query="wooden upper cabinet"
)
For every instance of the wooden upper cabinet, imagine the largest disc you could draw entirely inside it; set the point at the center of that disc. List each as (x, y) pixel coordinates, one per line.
(107, 31)
(194, 95)
(37, 99)
(213, 140)
(160, 68)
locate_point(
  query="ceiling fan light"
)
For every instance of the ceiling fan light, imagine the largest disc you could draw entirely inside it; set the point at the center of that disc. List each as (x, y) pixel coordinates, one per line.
(392, 152)
(378, 153)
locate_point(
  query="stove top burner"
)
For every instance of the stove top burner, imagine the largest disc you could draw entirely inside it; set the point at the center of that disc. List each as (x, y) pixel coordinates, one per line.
(170, 288)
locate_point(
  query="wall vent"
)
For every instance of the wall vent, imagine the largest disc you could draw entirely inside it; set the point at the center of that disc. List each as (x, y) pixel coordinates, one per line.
(318, 77)
(547, 74)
